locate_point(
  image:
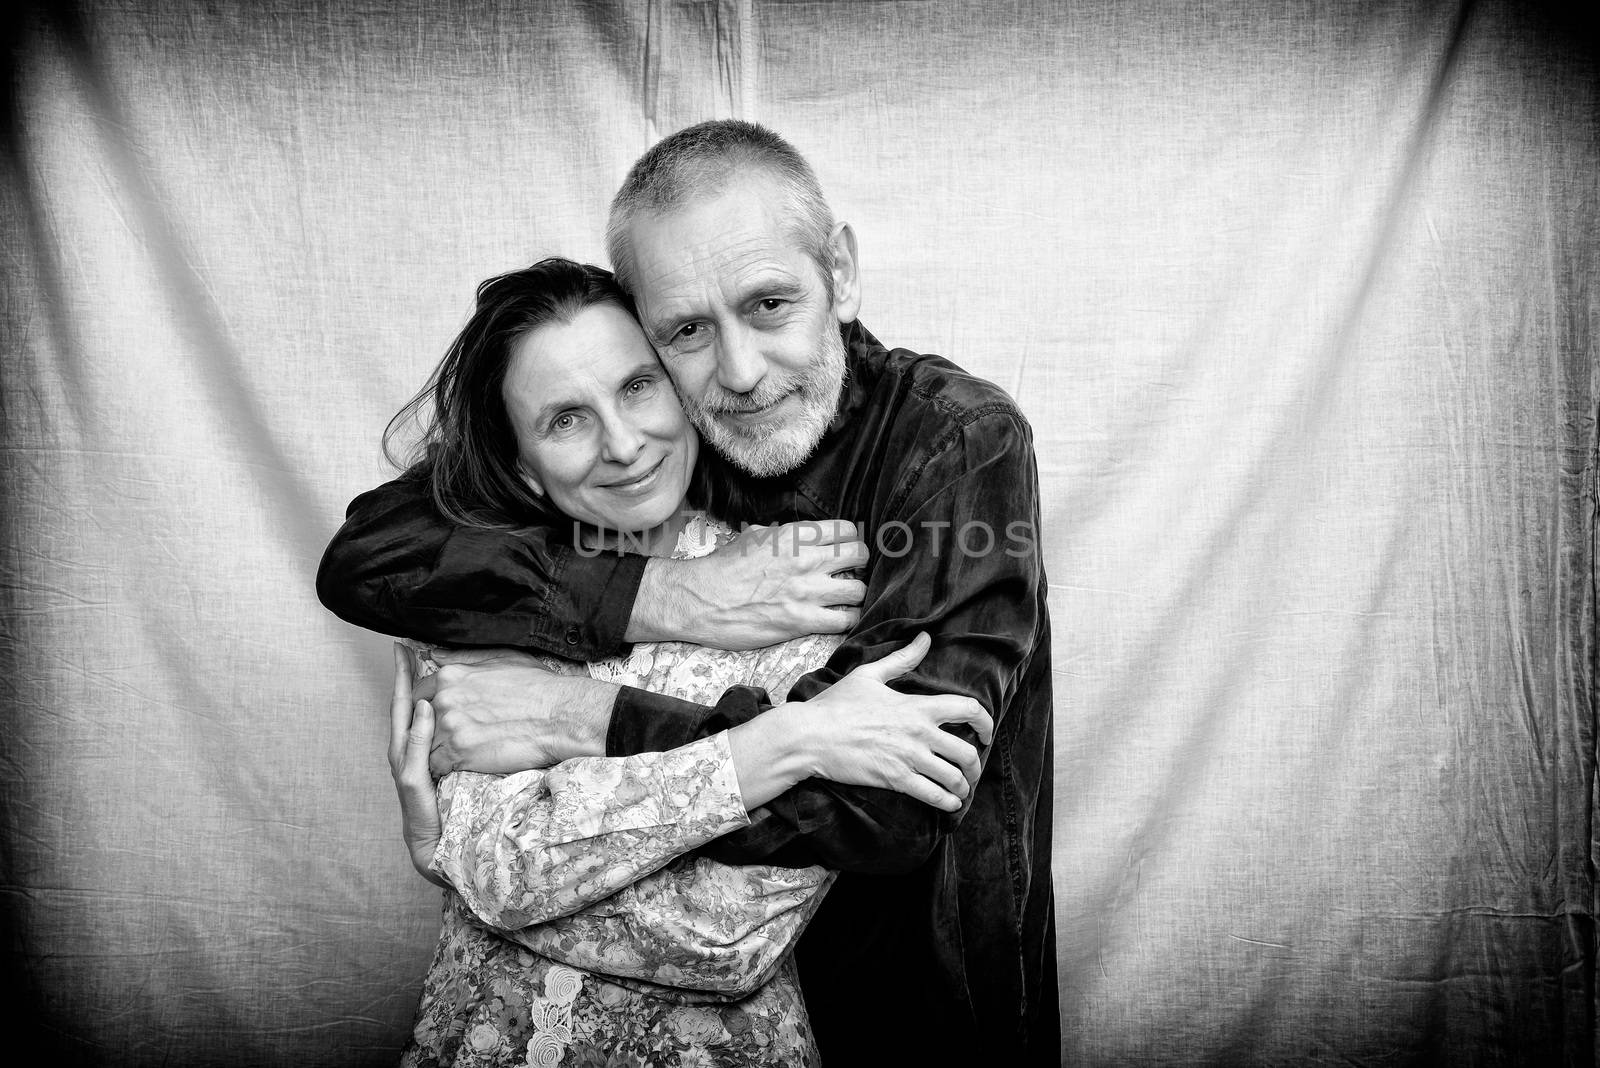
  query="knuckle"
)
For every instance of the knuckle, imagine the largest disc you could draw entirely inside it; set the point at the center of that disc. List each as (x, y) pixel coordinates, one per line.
(832, 622)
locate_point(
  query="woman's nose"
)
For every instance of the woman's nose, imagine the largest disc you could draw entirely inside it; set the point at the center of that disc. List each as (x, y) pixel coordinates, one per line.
(622, 441)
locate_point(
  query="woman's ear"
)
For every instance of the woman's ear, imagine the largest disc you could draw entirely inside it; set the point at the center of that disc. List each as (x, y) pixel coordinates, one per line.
(530, 479)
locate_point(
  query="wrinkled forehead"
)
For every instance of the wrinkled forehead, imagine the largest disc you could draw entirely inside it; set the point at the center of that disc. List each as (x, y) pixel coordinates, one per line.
(566, 362)
(712, 244)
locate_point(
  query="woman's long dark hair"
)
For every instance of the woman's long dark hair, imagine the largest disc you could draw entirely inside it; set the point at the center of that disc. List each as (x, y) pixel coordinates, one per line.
(468, 450)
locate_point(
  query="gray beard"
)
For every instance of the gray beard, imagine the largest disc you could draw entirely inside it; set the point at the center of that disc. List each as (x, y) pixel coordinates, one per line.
(781, 448)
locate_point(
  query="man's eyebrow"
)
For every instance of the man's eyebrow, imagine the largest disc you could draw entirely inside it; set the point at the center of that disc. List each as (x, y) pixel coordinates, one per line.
(777, 284)
(660, 331)
(783, 285)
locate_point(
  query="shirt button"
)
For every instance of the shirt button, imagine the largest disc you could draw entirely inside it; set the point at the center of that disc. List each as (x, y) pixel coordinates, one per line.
(572, 635)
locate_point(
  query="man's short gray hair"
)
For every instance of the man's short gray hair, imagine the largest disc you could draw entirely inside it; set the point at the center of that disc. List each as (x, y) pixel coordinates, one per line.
(698, 162)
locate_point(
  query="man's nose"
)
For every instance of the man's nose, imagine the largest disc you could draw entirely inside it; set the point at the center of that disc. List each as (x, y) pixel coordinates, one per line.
(740, 363)
(621, 442)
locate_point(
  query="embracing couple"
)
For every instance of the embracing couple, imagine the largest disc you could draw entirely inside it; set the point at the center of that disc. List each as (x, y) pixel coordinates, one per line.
(646, 860)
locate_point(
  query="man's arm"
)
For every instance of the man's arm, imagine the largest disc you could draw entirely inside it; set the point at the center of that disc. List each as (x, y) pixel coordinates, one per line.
(968, 572)
(747, 596)
(398, 567)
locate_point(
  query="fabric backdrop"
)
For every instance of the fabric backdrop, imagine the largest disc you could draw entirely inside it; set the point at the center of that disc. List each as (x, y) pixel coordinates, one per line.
(1300, 298)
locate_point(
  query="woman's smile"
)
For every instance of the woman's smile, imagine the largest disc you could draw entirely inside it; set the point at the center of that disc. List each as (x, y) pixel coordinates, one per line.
(644, 481)
(599, 429)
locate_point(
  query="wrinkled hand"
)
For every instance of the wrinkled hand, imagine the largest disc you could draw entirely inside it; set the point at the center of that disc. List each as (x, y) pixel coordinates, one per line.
(765, 586)
(503, 711)
(876, 736)
(410, 737)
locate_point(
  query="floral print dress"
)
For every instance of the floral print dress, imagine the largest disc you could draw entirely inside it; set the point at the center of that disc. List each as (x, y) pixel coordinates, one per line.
(580, 928)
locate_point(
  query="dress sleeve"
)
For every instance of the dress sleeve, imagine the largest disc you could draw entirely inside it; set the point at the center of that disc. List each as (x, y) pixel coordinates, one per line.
(720, 929)
(398, 567)
(967, 571)
(696, 924)
(526, 848)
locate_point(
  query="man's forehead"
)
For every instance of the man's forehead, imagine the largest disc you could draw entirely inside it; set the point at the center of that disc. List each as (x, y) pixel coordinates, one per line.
(711, 247)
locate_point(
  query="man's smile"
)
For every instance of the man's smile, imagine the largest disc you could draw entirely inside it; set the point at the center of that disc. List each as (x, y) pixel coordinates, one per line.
(753, 416)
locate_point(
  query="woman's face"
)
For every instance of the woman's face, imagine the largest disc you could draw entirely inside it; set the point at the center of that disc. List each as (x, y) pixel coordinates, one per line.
(599, 429)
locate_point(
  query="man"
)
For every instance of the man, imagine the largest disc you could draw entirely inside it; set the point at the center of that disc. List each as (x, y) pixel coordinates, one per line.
(937, 944)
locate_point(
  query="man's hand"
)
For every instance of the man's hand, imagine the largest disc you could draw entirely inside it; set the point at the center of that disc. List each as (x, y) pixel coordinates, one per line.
(500, 711)
(410, 736)
(864, 733)
(767, 585)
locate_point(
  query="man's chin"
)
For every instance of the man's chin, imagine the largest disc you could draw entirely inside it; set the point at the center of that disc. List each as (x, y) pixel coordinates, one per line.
(766, 449)
(764, 458)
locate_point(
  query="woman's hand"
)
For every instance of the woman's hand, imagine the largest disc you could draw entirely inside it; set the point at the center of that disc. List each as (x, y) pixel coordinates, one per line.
(861, 732)
(871, 735)
(410, 737)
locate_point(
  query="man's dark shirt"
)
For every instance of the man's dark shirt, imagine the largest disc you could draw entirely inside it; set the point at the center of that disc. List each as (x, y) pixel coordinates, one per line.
(931, 948)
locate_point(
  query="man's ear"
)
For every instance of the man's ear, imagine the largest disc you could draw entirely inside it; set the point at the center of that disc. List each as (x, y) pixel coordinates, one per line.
(846, 274)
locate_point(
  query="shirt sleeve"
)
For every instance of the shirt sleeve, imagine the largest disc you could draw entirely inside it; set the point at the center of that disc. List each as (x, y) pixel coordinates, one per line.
(398, 567)
(956, 554)
(526, 848)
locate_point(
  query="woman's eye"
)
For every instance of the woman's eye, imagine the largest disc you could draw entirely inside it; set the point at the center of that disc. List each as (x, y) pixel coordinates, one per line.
(638, 386)
(564, 421)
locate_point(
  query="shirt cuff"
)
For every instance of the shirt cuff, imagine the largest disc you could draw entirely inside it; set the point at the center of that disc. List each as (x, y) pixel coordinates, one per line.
(646, 722)
(724, 781)
(595, 629)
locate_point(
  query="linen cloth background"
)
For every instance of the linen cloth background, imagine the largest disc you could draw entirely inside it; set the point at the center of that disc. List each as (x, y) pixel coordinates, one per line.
(1299, 298)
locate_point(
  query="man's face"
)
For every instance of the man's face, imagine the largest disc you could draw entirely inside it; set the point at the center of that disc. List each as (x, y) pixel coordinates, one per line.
(744, 323)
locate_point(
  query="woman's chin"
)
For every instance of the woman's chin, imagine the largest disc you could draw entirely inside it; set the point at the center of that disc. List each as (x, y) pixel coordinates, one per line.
(639, 530)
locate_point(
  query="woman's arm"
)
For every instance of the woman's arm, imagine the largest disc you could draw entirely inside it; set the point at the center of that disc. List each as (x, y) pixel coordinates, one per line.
(719, 929)
(526, 848)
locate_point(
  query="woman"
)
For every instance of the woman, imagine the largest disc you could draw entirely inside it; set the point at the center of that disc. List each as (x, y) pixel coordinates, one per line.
(579, 929)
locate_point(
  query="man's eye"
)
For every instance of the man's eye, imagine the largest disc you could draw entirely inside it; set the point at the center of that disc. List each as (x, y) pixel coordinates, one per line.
(564, 421)
(770, 304)
(690, 337)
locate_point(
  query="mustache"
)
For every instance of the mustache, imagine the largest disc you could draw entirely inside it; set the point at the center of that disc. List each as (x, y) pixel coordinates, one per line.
(763, 396)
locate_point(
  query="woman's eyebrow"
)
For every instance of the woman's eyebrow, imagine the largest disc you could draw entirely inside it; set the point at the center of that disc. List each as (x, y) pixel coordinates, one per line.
(550, 408)
(643, 367)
